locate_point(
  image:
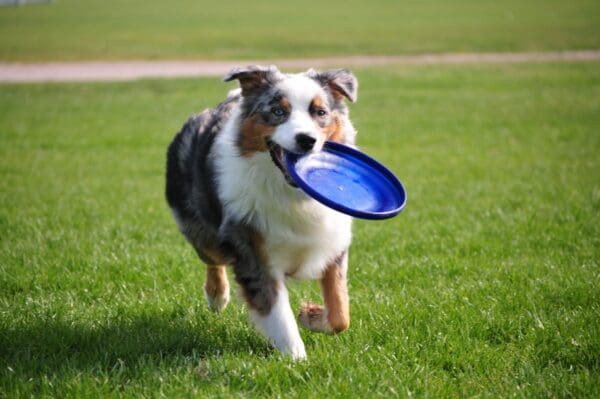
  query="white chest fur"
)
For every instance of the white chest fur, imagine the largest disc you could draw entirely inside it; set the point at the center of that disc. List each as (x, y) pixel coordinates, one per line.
(301, 235)
(302, 245)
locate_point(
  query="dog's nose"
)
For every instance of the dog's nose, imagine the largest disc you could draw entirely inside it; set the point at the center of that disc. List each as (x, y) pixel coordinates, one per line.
(305, 142)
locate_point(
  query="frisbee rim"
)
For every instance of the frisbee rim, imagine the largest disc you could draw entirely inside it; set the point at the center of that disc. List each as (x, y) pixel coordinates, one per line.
(349, 153)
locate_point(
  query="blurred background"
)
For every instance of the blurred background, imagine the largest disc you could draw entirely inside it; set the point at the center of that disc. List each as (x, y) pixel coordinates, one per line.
(135, 29)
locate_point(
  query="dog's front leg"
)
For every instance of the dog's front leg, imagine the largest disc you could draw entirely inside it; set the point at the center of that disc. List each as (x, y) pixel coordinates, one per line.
(266, 295)
(279, 324)
(334, 317)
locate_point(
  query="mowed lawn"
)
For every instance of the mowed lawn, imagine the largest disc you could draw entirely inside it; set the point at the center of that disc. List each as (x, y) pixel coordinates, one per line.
(486, 285)
(136, 29)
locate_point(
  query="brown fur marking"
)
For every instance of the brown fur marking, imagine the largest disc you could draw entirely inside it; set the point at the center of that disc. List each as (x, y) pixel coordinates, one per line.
(333, 131)
(216, 284)
(252, 136)
(335, 294)
(317, 103)
(285, 104)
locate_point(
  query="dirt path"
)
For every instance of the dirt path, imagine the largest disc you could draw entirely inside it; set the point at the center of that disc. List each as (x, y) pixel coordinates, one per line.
(130, 70)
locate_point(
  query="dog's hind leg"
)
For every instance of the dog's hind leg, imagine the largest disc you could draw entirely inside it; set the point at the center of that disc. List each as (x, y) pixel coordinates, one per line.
(216, 287)
(334, 317)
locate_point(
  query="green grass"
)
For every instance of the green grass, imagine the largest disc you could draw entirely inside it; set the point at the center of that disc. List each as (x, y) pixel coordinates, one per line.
(135, 29)
(487, 285)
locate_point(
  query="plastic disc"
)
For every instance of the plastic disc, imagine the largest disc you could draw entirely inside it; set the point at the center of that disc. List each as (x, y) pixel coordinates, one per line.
(348, 181)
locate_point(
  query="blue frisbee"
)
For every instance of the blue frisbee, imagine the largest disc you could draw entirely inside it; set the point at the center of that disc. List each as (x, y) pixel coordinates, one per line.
(348, 181)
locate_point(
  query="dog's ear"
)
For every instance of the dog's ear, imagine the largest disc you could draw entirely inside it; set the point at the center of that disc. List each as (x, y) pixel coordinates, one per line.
(341, 82)
(254, 77)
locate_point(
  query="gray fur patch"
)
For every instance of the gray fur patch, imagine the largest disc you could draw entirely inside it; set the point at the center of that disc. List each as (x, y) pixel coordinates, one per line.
(249, 265)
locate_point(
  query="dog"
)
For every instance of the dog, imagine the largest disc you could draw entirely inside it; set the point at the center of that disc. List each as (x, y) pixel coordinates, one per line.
(235, 202)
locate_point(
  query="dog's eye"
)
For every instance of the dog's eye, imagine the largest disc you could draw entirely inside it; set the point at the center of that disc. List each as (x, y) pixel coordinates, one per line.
(277, 111)
(321, 112)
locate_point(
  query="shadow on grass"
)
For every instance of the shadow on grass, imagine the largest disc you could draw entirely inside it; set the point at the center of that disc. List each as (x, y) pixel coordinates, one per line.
(54, 347)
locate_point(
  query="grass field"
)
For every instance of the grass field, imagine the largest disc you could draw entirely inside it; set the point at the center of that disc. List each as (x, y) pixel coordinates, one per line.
(136, 29)
(487, 285)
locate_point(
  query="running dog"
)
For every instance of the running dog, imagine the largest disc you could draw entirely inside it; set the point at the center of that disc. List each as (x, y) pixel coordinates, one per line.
(234, 201)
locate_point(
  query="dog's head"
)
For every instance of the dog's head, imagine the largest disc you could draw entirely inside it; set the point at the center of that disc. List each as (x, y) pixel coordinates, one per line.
(297, 112)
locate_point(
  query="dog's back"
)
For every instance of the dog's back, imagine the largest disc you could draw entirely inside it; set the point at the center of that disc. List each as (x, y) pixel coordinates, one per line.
(191, 186)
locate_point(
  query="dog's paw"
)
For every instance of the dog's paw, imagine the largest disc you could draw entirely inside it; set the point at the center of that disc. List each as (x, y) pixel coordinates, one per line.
(295, 352)
(314, 317)
(217, 301)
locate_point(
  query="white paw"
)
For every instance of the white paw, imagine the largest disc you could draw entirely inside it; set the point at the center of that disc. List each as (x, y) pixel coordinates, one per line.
(296, 350)
(280, 327)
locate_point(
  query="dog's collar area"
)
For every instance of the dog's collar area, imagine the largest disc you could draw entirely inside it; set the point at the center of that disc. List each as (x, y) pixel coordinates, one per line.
(277, 156)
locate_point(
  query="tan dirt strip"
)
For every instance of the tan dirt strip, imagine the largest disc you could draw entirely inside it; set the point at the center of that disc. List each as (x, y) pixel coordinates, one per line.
(131, 70)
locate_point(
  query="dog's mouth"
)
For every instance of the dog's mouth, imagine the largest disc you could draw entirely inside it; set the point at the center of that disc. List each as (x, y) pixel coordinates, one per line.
(278, 157)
